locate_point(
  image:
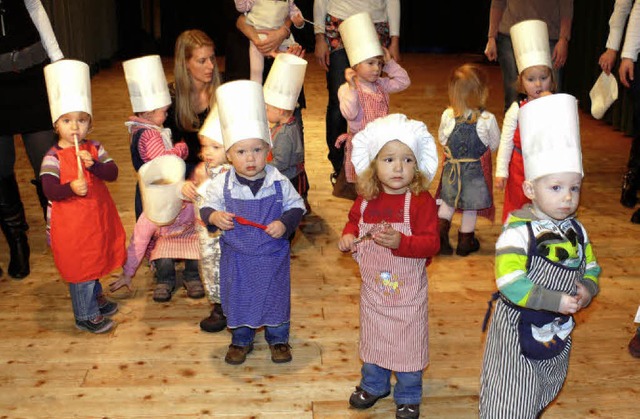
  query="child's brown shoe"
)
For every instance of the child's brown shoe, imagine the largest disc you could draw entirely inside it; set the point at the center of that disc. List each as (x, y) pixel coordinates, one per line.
(236, 355)
(281, 353)
(634, 345)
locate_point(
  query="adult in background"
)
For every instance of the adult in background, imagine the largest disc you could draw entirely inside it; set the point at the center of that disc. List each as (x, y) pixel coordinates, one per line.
(557, 14)
(330, 54)
(27, 44)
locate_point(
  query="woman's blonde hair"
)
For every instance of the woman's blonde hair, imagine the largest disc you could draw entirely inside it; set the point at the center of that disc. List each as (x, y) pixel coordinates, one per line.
(520, 86)
(468, 92)
(187, 42)
(369, 185)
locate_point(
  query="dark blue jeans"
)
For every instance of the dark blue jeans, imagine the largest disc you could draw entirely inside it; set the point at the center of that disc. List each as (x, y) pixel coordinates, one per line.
(335, 124)
(84, 299)
(166, 271)
(377, 381)
(243, 336)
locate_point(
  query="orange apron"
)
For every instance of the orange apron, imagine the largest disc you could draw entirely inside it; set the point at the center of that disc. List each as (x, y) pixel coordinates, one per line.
(87, 237)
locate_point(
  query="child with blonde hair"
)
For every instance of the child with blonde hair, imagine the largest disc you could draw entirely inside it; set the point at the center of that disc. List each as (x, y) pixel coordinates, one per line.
(392, 234)
(469, 134)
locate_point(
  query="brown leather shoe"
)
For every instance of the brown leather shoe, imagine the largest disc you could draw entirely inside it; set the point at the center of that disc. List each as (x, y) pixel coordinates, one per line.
(216, 321)
(281, 353)
(634, 345)
(236, 355)
(467, 243)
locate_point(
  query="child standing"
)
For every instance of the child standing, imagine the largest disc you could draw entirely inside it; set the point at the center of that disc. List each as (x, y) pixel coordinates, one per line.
(86, 234)
(263, 15)
(257, 208)
(468, 134)
(365, 95)
(395, 223)
(150, 101)
(281, 91)
(545, 266)
(531, 48)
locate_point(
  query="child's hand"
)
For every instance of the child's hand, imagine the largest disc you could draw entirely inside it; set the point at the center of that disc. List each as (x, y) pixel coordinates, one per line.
(583, 294)
(123, 281)
(388, 238)
(568, 304)
(350, 77)
(221, 219)
(276, 229)
(545, 93)
(189, 190)
(386, 57)
(79, 187)
(500, 183)
(346, 243)
(298, 20)
(86, 157)
(296, 49)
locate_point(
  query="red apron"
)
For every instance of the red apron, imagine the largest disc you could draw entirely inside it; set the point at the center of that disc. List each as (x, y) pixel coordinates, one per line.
(87, 237)
(514, 197)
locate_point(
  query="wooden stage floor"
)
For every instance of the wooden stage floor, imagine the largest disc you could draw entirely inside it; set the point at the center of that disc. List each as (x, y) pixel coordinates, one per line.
(157, 363)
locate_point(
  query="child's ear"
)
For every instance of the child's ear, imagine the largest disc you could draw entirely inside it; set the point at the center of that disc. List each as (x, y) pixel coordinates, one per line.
(527, 188)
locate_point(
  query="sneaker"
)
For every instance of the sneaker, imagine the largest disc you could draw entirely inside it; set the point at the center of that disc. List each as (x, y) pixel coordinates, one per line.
(236, 355)
(634, 345)
(408, 411)
(99, 324)
(107, 308)
(360, 399)
(216, 321)
(281, 353)
(194, 288)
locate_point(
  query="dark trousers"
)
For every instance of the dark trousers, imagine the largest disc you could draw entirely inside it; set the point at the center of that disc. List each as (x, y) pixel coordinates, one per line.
(335, 122)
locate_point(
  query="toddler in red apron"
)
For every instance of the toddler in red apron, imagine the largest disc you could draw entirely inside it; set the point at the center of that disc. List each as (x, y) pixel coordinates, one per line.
(365, 95)
(256, 208)
(86, 234)
(393, 233)
(531, 49)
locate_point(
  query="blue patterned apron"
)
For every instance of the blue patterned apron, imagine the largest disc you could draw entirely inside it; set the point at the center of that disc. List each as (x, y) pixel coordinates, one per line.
(255, 284)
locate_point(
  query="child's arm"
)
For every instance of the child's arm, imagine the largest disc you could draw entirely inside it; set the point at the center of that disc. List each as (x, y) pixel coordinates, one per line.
(283, 152)
(351, 229)
(488, 130)
(509, 126)
(295, 15)
(588, 286)
(150, 146)
(292, 211)
(103, 167)
(425, 240)
(447, 124)
(243, 6)
(349, 104)
(398, 78)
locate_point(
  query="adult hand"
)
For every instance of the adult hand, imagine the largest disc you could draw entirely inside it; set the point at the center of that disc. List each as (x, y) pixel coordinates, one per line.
(394, 49)
(271, 40)
(607, 60)
(491, 50)
(322, 52)
(626, 71)
(560, 52)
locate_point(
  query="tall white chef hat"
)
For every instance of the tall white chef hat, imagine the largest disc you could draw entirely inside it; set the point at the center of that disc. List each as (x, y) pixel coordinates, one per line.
(368, 142)
(211, 126)
(550, 133)
(360, 38)
(284, 82)
(530, 40)
(146, 82)
(242, 112)
(68, 87)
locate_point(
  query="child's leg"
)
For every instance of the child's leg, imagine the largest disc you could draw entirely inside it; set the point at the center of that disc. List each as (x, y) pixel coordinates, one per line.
(106, 307)
(468, 223)
(85, 307)
(445, 214)
(278, 339)
(166, 279)
(467, 242)
(191, 279)
(374, 385)
(210, 275)
(408, 389)
(241, 345)
(256, 62)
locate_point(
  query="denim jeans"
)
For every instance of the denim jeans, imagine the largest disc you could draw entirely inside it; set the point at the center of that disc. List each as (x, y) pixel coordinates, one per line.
(84, 299)
(377, 381)
(509, 69)
(243, 336)
(166, 271)
(335, 124)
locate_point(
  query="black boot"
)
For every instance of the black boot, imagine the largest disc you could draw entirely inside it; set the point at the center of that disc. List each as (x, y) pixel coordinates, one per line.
(629, 195)
(14, 226)
(635, 218)
(216, 321)
(467, 243)
(445, 245)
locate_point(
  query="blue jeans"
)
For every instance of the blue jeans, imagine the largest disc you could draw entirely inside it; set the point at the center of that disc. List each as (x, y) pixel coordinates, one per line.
(243, 336)
(84, 299)
(377, 381)
(509, 69)
(335, 124)
(166, 271)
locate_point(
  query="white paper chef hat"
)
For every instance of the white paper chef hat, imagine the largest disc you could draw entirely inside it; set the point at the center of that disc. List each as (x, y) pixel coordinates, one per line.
(242, 112)
(530, 40)
(550, 134)
(146, 82)
(68, 87)
(368, 142)
(284, 82)
(211, 126)
(603, 93)
(360, 38)
(161, 180)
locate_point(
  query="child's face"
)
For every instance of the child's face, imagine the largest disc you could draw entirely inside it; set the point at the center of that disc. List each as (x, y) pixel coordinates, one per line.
(395, 167)
(72, 124)
(212, 152)
(536, 80)
(249, 157)
(555, 196)
(157, 116)
(369, 69)
(201, 64)
(273, 114)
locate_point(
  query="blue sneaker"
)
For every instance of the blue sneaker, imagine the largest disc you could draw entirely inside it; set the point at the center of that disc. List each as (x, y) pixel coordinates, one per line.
(100, 324)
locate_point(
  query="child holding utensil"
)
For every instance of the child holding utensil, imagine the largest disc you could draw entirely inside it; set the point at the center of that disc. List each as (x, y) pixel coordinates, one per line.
(257, 208)
(86, 234)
